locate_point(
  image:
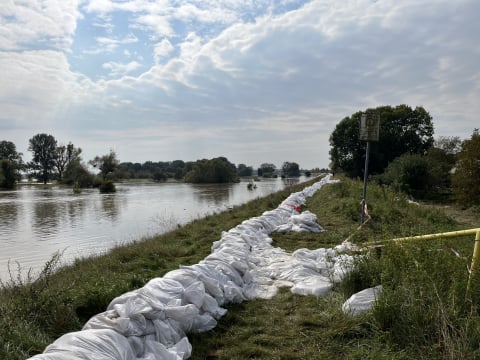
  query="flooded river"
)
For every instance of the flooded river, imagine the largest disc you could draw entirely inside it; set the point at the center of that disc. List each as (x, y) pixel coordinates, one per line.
(36, 222)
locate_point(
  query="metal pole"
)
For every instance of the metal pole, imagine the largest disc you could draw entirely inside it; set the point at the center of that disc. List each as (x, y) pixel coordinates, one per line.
(365, 177)
(449, 234)
(475, 264)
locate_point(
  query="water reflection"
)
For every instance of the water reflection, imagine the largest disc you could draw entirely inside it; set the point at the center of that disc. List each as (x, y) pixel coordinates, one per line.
(110, 206)
(213, 194)
(75, 209)
(8, 213)
(46, 217)
(36, 222)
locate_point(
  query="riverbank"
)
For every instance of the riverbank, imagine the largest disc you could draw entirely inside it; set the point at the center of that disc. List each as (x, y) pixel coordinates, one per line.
(61, 300)
(288, 326)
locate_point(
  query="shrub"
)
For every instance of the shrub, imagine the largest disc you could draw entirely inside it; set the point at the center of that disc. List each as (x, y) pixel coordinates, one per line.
(466, 186)
(409, 173)
(77, 174)
(107, 186)
(8, 175)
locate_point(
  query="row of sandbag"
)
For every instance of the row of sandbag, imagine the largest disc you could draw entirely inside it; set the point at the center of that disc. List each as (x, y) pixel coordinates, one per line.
(151, 323)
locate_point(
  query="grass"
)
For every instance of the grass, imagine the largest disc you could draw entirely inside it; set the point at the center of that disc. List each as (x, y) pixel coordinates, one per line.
(423, 312)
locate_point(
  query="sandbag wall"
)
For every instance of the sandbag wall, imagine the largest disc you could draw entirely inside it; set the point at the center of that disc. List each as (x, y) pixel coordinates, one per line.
(151, 323)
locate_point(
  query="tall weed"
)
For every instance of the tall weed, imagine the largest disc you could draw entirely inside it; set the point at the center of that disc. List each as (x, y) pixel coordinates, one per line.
(30, 308)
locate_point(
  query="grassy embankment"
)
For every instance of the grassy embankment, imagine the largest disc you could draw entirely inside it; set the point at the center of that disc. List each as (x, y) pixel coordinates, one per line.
(423, 312)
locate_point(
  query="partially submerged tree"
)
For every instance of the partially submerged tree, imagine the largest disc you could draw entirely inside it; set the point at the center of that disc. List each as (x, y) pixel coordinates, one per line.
(43, 148)
(290, 169)
(10, 164)
(266, 170)
(64, 155)
(77, 174)
(244, 170)
(217, 170)
(8, 176)
(107, 164)
(402, 130)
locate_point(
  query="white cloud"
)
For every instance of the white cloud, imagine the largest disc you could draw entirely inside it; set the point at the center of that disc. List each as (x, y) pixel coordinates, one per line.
(232, 78)
(209, 14)
(110, 44)
(162, 50)
(36, 85)
(45, 24)
(117, 69)
(159, 24)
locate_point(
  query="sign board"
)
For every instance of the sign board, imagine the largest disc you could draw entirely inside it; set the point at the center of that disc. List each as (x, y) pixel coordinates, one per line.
(369, 127)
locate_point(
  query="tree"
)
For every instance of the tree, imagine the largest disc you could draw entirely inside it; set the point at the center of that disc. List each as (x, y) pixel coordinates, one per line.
(77, 174)
(8, 151)
(465, 181)
(402, 130)
(442, 157)
(8, 176)
(178, 169)
(11, 164)
(63, 156)
(451, 145)
(244, 170)
(290, 169)
(159, 176)
(266, 169)
(106, 164)
(217, 170)
(43, 148)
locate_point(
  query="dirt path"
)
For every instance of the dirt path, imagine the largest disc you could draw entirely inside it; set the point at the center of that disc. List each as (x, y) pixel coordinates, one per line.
(468, 217)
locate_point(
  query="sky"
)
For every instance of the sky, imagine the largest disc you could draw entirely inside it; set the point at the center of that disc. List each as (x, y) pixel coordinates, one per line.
(256, 81)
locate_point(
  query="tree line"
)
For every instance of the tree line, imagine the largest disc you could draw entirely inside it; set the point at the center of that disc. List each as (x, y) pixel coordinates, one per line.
(64, 163)
(407, 157)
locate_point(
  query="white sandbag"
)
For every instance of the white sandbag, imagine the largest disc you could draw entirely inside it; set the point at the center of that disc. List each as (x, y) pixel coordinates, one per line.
(233, 293)
(304, 222)
(98, 344)
(362, 301)
(163, 289)
(155, 350)
(167, 332)
(212, 285)
(210, 306)
(184, 276)
(313, 285)
(202, 323)
(195, 294)
(224, 266)
(260, 291)
(135, 325)
(343, 264)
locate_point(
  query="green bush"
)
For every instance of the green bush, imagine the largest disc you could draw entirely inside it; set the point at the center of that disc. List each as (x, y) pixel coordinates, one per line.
(466, 184)
(77, 174)
(107, 186)
(8, 174)
(409, 173)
